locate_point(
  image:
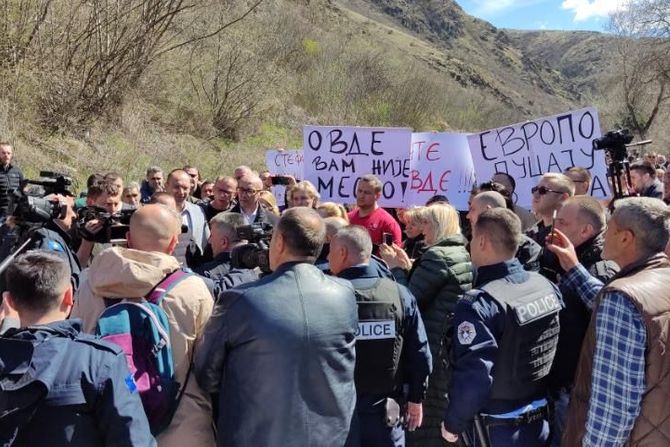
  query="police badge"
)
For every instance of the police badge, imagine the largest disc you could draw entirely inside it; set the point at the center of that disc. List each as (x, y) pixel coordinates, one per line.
(466, 333)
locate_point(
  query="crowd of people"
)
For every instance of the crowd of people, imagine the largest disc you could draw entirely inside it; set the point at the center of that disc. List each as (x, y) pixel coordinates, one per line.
(217, 316)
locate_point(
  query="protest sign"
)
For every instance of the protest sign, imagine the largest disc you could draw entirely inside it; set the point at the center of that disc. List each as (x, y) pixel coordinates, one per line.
(335, 157)
(284, 162)
(440, 163)
(528, 150)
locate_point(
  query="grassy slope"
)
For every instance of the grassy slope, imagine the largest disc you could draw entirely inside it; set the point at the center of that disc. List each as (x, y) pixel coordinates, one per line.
(488, 77)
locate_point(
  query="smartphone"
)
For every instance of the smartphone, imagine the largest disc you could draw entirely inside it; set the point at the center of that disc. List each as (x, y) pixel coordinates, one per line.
(279, 180)
(553, 227)
(387, 238)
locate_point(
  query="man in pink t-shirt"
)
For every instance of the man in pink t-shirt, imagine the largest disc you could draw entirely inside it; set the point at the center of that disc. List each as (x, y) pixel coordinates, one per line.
(369, 215)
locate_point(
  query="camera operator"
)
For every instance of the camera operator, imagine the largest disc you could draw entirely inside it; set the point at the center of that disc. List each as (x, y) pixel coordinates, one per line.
(105, 194)
(55, 236)
(223, 238)
(644, 181)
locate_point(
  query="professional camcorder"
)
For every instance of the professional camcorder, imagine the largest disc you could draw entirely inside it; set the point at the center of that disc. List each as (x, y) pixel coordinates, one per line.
(31, 209)
(114, 225)
(615, 142)
(256, 253)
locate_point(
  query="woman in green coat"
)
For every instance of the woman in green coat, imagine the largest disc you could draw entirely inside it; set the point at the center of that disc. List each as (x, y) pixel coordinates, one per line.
(437, 279)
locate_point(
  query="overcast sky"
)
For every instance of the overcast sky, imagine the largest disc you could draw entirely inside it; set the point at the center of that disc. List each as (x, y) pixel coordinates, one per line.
(543, 14)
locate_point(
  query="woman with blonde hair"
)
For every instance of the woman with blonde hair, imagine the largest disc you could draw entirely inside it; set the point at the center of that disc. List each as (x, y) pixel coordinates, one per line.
(302, 194)
(332, 209)
(413, 244)
(268, 201)
(436, 279)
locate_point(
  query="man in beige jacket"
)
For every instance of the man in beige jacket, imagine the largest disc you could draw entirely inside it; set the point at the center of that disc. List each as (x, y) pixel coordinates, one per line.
(131, 273)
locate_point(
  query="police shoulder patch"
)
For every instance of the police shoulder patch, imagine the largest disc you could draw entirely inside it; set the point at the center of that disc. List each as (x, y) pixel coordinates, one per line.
(130, 383)
(54, 246)
(466, 333)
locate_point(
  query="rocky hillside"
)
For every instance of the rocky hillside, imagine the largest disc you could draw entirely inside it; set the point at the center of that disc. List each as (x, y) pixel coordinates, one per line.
(223, 100)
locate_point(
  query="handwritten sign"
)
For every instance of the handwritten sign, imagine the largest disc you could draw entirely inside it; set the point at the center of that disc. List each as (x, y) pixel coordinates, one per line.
(440, 163)
(284, 162)
(528, 150)
(335, 157)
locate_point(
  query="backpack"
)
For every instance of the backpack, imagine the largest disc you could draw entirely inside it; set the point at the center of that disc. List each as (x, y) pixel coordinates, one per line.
(142, 330)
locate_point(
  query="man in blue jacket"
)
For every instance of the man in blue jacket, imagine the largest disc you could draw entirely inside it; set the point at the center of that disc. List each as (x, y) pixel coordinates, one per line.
(59, 387)
(391, 344)
(506, 333)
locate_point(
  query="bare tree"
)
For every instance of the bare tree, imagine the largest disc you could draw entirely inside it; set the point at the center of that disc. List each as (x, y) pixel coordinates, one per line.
(89, 53)
(643, 69)
(20, 22)
(231, 85)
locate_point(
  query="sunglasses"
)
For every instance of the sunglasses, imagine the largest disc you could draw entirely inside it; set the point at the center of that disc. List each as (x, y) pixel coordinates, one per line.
(542, 190)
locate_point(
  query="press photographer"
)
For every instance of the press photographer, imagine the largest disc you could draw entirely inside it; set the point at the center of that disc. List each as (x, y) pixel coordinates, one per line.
(224, 239)
(256, 252)
(95, 223)
(43, 222)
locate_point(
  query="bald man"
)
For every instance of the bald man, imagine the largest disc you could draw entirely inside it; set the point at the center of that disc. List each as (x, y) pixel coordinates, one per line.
(529, 251)
(333, 225)
(131, 273)
(248, 204)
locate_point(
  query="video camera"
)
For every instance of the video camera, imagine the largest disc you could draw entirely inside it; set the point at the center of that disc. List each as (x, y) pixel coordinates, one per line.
(256, 253)
(614, 142)
(114, 225)
(34, 210)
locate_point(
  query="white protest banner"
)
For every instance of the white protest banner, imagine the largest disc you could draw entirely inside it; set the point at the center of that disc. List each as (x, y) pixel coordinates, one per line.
(528, 150)
(440, 163)
(335, 157)
(284, 162)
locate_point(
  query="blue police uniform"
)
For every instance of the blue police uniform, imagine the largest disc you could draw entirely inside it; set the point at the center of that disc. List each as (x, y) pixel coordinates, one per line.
(51, 238)
(503, 347)
(81, 389)
(414, 366)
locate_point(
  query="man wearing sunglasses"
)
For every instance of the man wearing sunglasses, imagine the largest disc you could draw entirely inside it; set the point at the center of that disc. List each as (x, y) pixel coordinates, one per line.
(548, 196)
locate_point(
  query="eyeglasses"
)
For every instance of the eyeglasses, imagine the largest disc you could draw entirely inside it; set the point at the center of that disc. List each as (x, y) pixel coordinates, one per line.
(249, 191)
(542, 190)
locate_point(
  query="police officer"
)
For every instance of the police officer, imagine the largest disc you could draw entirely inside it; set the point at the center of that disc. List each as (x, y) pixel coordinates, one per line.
(61, 387)
(391, 344)
(55, 236)
(506, 332)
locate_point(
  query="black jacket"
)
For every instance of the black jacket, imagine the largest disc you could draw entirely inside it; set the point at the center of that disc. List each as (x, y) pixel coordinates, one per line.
(87, 383)
(415, 361)
(281, 353)
(262, 216)
(51, 238)
(210, 211)
(529, 254)
(10, 180)
(655, 190)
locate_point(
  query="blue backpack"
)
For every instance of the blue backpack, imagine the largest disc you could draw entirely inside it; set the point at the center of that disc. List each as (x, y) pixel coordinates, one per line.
(142, 330)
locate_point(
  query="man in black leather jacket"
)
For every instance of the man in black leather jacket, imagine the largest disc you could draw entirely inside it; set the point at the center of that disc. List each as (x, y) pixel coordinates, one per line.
(280, 351)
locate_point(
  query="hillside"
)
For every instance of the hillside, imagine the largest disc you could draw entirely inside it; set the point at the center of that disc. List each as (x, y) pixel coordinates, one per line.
(583, 58)
(223, 100)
